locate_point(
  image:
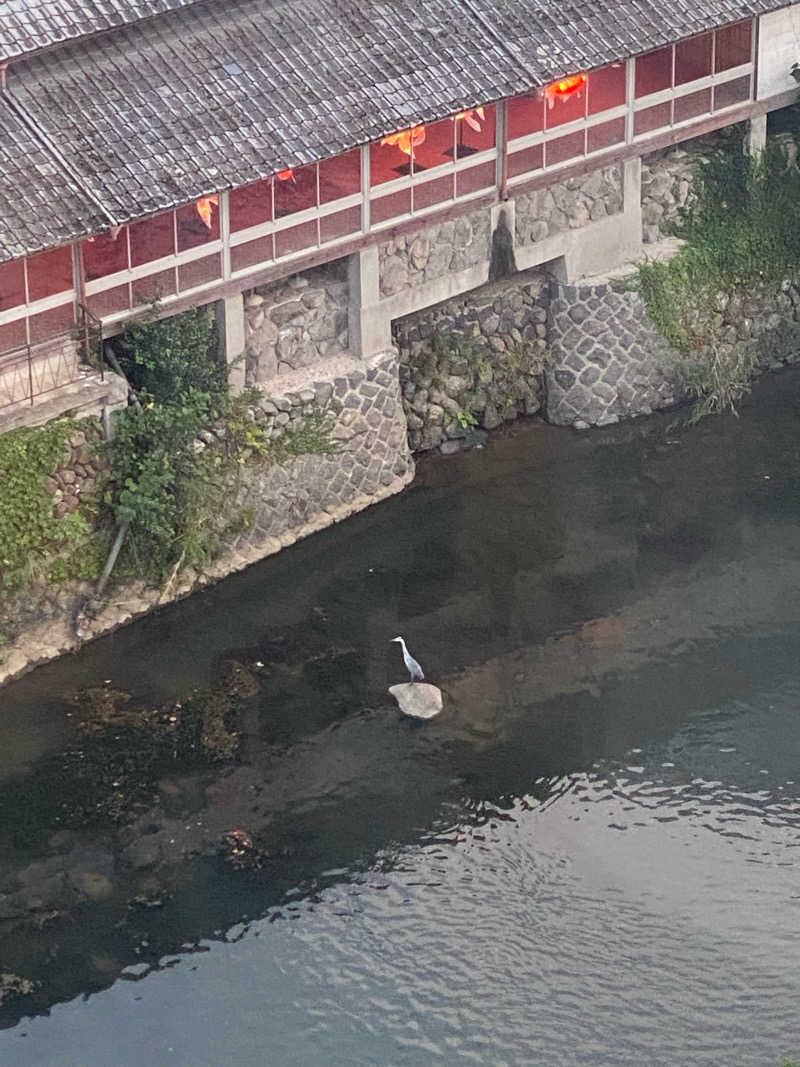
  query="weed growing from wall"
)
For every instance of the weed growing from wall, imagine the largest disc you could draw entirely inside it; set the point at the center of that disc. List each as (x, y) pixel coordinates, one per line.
(742, 233)
(176, 460)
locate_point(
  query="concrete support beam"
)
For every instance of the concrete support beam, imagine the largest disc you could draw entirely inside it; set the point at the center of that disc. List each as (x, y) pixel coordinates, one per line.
(369, 323)
(229, 317)
(756, 137)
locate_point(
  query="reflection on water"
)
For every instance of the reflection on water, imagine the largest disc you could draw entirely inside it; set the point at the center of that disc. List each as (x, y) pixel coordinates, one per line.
(216, 820)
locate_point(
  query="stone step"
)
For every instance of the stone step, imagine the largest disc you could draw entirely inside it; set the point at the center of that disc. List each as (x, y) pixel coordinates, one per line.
(88, 395)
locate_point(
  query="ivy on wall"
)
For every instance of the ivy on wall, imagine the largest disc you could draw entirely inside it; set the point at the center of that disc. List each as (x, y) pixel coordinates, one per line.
(29, 533)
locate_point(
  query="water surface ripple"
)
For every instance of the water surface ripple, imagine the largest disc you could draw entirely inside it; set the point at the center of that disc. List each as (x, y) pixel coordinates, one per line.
(590, 858)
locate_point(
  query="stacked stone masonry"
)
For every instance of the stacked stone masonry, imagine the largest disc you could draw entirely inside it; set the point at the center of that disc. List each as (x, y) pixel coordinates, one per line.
(296, 323)
(667, 176)
(447, 248)
(372, 454)
(568, 205)
(608, 361)
(474, 360)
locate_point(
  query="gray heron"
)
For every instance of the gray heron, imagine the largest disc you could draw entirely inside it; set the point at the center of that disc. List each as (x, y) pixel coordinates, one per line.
(412, 666)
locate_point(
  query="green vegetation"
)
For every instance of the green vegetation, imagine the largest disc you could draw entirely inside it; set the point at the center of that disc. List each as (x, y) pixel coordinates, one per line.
(175, 461)
(29, 533)
(742, 232)
(174, 467)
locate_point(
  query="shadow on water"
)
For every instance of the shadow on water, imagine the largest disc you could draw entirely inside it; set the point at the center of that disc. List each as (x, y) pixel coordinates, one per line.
(573, 595)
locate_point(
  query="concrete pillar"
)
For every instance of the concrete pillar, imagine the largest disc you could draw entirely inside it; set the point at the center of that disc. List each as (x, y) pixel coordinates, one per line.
(229, 316)
(756, 136)
(369, 324)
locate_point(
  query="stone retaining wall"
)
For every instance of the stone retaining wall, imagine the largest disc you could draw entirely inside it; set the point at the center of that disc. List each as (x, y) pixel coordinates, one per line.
(474, 360)
(372, 455)
(568, 205)
(667, 176)
(296, 322)
(279, 503)
(431, 253)
(608, 360)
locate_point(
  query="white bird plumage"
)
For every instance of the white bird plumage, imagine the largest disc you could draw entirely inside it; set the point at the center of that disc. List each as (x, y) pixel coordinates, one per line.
(412, 666)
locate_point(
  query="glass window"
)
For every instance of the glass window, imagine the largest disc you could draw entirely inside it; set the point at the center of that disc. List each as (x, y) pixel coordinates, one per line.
(652, 118)
(389, 207)
(50, 273)
(730, 93)
(427, 194)
(340, 224)
(693, 58)
(566, 100)
(606, 88)
(252, 252)
(438, 148)
(340, 176)
(654, 72)
(198, 223)
(689, 107)
(476, 131)
(529, 159)
(733, 46)
(199, 272)
(109, 301)
(563, 148)
(13, 335)
(105, 254)
(391, 157)
(296, 238)
(525, 114)
(605, 135)
(154, 286)
(250, 205)
(51, 323)
(295, 190)
(473, 179)
(152, 239)
(12, 284)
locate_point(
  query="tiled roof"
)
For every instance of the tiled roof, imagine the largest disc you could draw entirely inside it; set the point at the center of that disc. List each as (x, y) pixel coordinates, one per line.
(28, 25)
(553, 39)
(41, 206)
(222, 93)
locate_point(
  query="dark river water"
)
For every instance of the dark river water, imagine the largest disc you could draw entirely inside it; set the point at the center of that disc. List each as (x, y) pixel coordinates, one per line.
(590, 858)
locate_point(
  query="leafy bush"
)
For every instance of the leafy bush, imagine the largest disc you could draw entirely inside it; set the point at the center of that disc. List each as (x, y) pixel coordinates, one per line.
(170, 358)
(172, 490)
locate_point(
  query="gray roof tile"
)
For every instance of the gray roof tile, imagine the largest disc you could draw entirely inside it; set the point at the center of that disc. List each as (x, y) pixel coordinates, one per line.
(42, 207)
(29, 25)
(173, 107)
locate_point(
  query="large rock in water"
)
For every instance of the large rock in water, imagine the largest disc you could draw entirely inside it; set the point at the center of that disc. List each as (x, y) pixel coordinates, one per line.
(418, 699)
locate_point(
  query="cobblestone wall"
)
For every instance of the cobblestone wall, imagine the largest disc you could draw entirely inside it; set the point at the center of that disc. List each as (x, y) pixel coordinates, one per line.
(296, 322)
(372, 454)
(608, 360)
(78, 471)
(474, 360)
(568, 205)
(434, 251)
